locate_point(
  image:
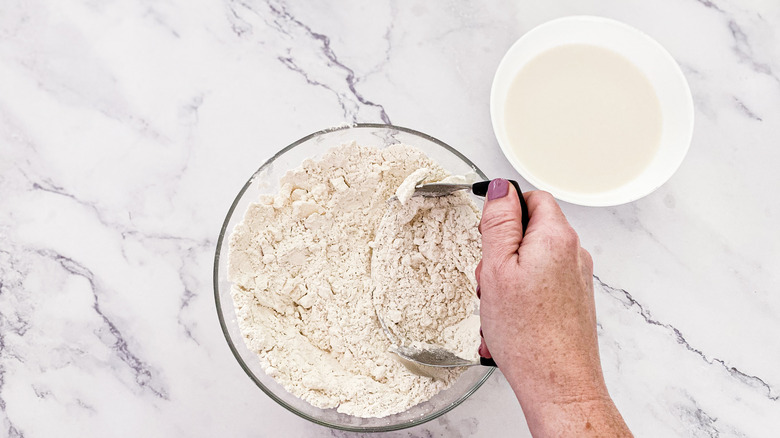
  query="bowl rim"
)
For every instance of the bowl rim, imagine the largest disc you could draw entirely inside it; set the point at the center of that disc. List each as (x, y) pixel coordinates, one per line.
(596, 199)
(223, 325)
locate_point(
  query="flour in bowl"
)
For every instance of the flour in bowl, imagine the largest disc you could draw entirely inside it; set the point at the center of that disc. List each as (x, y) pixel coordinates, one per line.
(300, 264)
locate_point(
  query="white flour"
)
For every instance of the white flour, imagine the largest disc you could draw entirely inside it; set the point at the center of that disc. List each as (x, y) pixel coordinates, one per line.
(301, 268)
(422, 269)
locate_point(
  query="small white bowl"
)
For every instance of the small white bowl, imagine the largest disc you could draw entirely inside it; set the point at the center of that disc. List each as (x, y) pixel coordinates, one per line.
(648, 55)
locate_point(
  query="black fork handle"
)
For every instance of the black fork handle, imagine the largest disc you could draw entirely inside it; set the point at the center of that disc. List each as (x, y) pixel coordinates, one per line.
(481, 188)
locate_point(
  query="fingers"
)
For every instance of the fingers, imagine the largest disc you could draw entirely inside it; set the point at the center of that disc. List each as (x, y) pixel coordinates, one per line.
(501, 224)
(502, 229)
(483, 349)
(586, 265)
(542, 208)
(587, 260)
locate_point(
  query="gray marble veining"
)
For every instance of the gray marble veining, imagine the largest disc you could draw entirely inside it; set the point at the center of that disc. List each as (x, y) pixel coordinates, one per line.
(126, 130)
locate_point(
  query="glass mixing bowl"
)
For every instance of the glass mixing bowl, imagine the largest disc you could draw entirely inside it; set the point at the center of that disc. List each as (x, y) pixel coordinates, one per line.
(266, 180)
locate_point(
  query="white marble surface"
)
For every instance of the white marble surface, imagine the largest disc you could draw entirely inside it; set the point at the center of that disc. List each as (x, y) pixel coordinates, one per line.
(126, 129)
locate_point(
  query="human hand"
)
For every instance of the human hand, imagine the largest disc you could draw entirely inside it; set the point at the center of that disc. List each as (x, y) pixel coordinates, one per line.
(538, 315)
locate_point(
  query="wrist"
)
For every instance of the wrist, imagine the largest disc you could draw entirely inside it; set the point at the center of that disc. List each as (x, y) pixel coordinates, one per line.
(559, 385)
(575, 404)
(587, 417)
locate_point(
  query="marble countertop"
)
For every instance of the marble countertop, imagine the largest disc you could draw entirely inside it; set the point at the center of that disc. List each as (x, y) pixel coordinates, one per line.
(126, 129)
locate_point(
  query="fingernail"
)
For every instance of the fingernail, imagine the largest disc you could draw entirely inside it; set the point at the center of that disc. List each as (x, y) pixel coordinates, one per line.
(498, 188)
(480, 333)
(478, 292)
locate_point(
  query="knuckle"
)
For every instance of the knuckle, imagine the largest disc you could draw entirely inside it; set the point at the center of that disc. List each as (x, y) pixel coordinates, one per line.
(492, 268)
(586, 258)
(495, 221)
(494, 271)
(540, 197)
(545, 197)
(569, 238)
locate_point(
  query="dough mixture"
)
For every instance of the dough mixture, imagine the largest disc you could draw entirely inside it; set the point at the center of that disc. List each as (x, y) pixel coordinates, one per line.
(304, 264)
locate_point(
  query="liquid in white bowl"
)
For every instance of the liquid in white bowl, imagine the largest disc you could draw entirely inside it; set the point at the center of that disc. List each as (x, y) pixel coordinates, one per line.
(583, 118)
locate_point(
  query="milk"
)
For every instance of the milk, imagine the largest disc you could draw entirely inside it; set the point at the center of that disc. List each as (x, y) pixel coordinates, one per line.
(582, 118)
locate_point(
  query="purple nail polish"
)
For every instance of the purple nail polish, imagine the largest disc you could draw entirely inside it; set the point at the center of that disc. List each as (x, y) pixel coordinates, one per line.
(480, 333)
(478, 293)
(498, 188)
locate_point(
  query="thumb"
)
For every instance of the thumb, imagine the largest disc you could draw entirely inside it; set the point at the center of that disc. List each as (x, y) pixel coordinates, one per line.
(501, 224)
